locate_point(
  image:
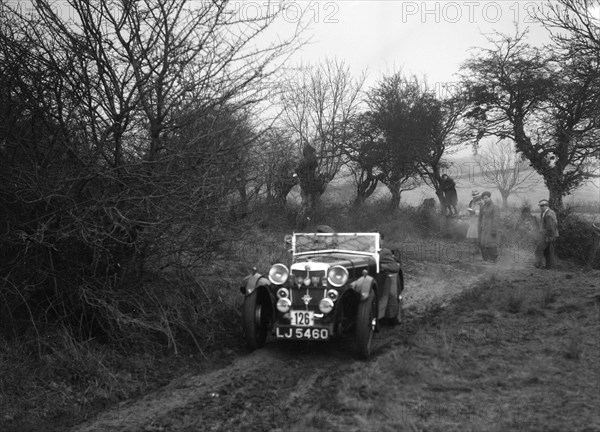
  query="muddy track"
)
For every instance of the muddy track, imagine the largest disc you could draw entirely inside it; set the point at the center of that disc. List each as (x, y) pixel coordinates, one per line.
(282, 382)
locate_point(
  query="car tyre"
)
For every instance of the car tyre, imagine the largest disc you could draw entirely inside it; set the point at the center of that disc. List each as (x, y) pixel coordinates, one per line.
(255, 320)
(365, 325)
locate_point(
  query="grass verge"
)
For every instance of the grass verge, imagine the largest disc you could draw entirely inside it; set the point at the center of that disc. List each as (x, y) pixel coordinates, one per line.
(51, 381)
(509, 354)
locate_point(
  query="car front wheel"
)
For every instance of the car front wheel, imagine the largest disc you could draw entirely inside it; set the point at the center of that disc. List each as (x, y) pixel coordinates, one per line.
(255, 320)
(365, 325)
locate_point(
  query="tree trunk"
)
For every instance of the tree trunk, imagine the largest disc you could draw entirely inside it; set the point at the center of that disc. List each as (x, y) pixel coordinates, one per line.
(281, 181)
(242, 207)
(552, 176)
(396, 195)
(280, 190)
(364, 189)
(310, 203)
(504, 195)
(555, 200)
(556, 188)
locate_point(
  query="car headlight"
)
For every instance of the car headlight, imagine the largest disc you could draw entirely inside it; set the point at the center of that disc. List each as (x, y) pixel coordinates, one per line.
(326, 305)
(283, 305)
(283, 293)
(278, 274)
(337, 276)
(332, 294)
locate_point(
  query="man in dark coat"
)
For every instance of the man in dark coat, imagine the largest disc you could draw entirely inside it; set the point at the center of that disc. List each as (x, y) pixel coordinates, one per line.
(489, 221)
(547, 236)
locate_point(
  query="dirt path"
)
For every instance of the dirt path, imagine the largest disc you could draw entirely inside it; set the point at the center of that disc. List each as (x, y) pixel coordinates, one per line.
(279, 384)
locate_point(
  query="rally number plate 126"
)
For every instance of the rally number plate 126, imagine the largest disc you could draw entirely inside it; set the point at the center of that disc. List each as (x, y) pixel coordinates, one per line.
(302, 318)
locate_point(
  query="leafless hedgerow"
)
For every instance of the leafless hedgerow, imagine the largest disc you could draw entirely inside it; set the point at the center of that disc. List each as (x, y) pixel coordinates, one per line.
(125, 132)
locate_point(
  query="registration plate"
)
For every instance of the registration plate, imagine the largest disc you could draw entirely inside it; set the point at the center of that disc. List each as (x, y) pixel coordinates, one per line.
(302, 333)
(302, 318)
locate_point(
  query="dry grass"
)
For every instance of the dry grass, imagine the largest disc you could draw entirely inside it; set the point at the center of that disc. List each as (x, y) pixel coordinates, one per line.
(496, 368)
(495, 343)
(57, 381)
(71, 379)
(514, 302)
(574, 344)
(548, 298)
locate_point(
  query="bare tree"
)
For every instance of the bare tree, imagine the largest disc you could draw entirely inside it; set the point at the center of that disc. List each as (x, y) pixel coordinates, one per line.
(548, 105)
(575, 25)
(276, 162)
(505, 169)
(363, 153)
(319, 103)
(122, 125)
(575, 29)
(445, 135)
(403, 111)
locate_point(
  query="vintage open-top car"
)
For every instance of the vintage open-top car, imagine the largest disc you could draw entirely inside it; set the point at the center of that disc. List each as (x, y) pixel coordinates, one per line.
(332, 288)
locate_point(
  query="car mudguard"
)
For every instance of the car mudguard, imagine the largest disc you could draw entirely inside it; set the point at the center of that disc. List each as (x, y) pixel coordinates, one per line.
(252, 282)
(363, 286)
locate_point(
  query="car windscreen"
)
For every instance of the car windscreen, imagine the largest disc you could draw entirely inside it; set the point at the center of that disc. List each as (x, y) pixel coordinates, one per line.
(367, 243)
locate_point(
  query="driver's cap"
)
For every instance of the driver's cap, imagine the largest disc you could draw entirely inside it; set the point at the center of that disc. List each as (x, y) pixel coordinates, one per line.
(325, 229)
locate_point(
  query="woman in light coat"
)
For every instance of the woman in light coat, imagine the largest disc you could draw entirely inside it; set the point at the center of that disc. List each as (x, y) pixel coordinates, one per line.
(489, 221)
(473, 214)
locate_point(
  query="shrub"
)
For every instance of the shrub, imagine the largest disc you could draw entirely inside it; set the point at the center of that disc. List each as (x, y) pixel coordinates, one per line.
(428, 216)
(519, 226)
(578, 240)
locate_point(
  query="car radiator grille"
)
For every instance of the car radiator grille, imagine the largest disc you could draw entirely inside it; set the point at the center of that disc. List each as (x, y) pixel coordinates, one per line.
(307, 298)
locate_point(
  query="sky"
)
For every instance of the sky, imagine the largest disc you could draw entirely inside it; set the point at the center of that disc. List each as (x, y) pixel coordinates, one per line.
(427, 38)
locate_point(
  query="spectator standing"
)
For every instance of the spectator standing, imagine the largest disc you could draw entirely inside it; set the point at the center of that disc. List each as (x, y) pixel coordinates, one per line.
(547, 236)
(489, 220)
(473, 214)
(448, 188)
